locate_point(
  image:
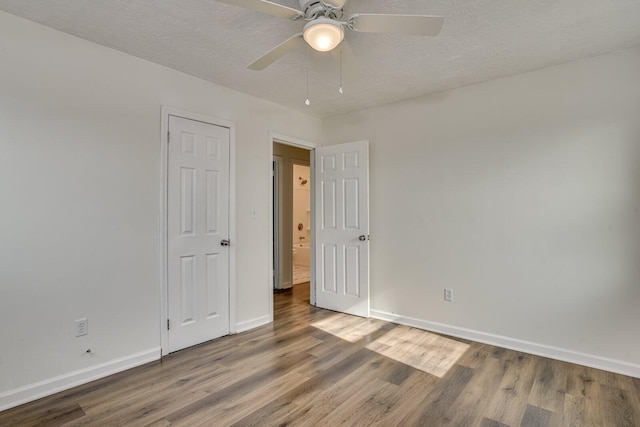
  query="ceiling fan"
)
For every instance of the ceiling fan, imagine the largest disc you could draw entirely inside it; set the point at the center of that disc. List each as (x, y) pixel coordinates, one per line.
(324, 29)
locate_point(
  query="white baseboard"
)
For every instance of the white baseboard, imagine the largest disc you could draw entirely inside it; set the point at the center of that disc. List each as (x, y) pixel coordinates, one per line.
(252, 323)
(611, 365)
(285, 285)
(30, 392)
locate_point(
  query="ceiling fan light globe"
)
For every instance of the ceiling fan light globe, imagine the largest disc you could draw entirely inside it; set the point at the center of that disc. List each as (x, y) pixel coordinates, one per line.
(323, 34)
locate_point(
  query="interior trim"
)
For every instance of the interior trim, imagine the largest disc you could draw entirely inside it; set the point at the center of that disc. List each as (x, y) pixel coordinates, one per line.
(606, 364)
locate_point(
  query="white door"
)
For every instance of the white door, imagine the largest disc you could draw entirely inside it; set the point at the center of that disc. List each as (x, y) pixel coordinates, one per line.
(198, 229)
(342, 230)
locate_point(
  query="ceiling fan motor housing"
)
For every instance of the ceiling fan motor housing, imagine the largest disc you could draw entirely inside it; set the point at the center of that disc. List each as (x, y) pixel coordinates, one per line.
(314, 8)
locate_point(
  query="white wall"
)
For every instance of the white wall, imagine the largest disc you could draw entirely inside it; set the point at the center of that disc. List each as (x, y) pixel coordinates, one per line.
(523, 195)
(80, 195)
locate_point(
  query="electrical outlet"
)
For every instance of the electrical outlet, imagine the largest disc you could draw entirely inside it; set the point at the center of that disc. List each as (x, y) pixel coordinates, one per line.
(448, 294)
(82, 327)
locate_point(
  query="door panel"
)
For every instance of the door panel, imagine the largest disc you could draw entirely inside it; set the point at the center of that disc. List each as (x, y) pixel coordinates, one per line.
(329, 205)
(197, 221)
(342, 206)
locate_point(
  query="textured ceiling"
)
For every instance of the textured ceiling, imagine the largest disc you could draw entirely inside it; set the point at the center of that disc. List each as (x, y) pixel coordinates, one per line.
(480, 40)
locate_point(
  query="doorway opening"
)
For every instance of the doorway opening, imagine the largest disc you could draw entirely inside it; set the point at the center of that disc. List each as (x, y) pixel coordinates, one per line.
(292, 224)
(339, 225)
(301, 253)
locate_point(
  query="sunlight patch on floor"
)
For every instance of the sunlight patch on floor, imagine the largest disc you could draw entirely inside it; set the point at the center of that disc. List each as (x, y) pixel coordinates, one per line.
(347, 327)
(429, 352)
(423, 350)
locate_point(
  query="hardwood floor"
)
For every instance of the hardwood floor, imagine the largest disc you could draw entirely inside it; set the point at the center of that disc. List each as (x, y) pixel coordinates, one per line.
(317, 367)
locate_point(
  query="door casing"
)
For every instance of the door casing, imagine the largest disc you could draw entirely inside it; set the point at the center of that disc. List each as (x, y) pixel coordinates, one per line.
(166, 112)
(276, 211)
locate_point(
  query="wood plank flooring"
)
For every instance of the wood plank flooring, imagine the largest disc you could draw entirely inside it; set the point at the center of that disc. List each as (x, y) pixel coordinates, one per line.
(316, 367)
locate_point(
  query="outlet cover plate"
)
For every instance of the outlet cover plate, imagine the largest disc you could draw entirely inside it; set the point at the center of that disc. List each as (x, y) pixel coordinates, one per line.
(82, 327)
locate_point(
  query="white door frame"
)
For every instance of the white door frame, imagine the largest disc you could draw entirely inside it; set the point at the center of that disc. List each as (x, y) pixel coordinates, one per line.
(276, 213)
(295, 142)
(163, 233)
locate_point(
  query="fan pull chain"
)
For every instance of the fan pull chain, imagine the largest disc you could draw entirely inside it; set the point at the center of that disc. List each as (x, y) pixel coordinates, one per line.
(307, 102)
(340, 90)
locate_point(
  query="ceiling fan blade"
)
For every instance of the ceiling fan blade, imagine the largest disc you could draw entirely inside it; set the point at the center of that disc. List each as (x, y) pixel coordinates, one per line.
(418, 25)
(346, 59)
(277, 52)
(267, 7)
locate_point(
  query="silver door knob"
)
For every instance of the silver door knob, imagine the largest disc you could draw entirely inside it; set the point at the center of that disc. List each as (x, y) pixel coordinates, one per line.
(224, 242)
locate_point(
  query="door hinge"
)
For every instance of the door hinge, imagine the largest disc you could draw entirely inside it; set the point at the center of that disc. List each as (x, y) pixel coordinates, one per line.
(168, 325)
(168, 136)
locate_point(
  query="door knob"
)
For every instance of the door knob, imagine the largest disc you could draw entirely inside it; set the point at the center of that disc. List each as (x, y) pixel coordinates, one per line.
(363, 238)
(224, 242)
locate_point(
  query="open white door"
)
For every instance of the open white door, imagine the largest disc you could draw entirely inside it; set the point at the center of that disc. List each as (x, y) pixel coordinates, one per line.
(198, 232)
(342, 227)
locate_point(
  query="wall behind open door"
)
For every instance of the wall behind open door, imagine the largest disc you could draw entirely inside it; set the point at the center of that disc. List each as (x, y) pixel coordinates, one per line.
(342, 227)
(522, 194)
